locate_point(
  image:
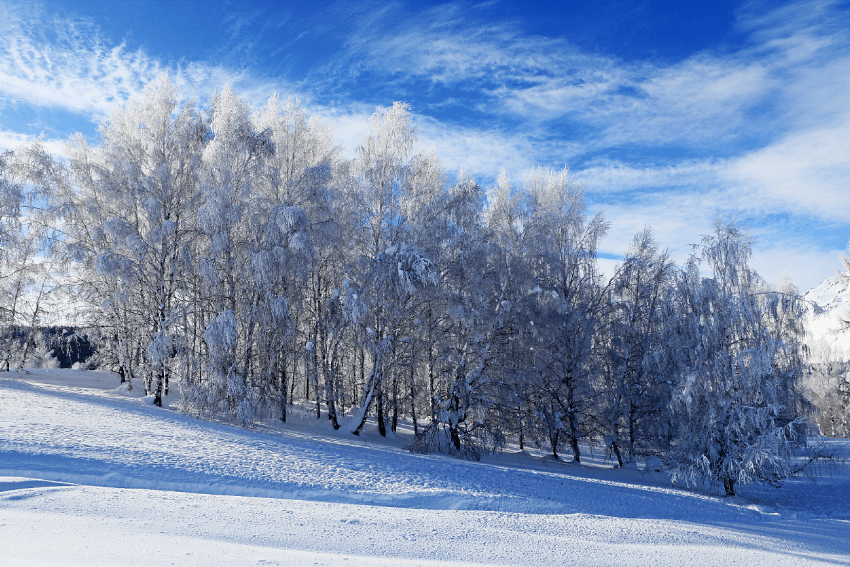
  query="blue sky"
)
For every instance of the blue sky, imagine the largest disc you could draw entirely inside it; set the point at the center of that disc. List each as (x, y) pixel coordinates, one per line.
(670, 113)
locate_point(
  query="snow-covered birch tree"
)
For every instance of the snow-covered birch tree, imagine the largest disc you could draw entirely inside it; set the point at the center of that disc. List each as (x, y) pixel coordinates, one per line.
(734, 407)
(231, 225)
(635, 387)
(126, 213)
(384, 192)
(564, 265)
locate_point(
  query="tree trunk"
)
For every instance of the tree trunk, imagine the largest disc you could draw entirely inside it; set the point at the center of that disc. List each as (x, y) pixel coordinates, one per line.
(32, 325)
(454, 436)
(161, 378)
(283, 391)
(617, 453)
(413, 402)
(431, 385)
(576, 452)
(316, 369)
(12, 315)
(362, 367)
(331, 389)
(371, 387)
(395, 403)
(574, 432)
(332, 414)
(554, 438)
(382, 426)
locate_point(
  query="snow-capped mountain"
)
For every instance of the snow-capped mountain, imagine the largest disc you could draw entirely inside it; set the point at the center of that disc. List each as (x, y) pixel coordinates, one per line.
(827, 327)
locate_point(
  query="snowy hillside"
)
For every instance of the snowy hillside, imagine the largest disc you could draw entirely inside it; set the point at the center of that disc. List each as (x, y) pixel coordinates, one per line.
(90, 475)
(826, 329)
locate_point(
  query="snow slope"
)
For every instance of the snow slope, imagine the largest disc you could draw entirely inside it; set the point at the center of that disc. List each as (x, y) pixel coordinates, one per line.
(92, 476)
(827, 328)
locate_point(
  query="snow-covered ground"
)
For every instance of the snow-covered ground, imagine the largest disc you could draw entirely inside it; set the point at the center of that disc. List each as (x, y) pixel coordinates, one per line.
(91, 475)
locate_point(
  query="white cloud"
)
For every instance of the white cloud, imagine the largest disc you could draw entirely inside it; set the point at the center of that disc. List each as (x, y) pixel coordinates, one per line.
(714, 99)
(786, 95)
(63, 63)
(804, 265)
(15, 140)
(75, 71)
(679, 220)
(804, 173)
(479, 151)
(618, 177)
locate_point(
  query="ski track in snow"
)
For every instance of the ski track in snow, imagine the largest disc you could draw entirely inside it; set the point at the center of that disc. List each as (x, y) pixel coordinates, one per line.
(79, 460)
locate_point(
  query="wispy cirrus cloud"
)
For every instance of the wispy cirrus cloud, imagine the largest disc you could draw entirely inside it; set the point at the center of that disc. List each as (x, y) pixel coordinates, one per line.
(715, 99)
(806, 172)
(63, 62)
(756, 127)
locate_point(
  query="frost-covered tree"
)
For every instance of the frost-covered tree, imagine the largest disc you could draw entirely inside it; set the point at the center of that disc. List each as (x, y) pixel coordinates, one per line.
(16, 259)
(466, 332)
(231, 251)
(11, 197)
(27, 274)
(828, 385)
(380, 181)
(734, 403)
(126, 209)
(388, 189)
(230, 227)
(564, 265)
(635, 384)
(508, 293)
(298, 172)
(393, 277)
(297, 196)
(77, 220)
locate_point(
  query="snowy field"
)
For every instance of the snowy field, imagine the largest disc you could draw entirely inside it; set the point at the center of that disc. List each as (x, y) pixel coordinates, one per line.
(92, 475)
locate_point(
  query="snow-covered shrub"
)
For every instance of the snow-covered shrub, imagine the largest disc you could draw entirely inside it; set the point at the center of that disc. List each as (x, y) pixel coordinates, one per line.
(437, 437)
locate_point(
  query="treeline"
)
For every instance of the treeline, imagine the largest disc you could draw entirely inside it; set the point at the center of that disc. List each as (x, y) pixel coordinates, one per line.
(44, 347)
(232, 253)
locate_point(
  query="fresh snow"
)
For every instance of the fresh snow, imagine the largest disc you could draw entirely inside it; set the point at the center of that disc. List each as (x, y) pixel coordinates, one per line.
(91, 474)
